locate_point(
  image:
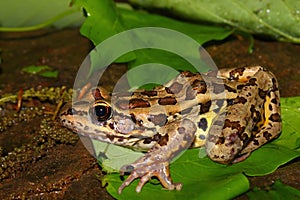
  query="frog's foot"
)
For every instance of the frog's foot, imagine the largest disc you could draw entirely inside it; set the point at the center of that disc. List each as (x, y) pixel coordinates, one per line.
(145, 171)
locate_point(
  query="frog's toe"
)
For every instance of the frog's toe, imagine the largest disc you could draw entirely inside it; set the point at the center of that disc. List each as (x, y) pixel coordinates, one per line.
(165, 179)
(159, 170)
(127, 182)
(142, 182)
(144, 178)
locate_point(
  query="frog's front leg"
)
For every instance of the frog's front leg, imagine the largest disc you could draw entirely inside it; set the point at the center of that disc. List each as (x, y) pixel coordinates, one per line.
(177, 136)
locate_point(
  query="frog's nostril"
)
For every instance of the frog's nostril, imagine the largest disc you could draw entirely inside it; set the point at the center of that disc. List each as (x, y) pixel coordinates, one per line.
(71, 111)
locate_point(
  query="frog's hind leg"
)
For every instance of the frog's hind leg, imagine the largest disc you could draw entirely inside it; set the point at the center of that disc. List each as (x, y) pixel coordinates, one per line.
(252, 119)
(270, 125)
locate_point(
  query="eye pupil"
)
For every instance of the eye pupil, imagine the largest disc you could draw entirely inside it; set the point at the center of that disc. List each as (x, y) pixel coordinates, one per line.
(101, 112)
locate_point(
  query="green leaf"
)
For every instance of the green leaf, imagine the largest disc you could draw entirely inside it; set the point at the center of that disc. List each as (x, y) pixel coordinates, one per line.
(290, 108)
(198, 174)
(42, 70)
(278, 19)
(113, 157)
(200, 32)
(33, 69)
(50, 74)
(18, 15)
(105, 21)
(277, 191)
(102, 20)
(201, 179)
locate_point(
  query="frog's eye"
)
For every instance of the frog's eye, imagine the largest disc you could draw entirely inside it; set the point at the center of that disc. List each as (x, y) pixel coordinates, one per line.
(100, 111)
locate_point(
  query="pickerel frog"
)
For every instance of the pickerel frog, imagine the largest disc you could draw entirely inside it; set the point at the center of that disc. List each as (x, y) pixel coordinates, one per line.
(231, 113)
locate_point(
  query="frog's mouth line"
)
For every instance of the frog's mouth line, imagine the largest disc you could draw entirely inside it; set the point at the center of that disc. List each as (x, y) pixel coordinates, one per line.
(76, 122)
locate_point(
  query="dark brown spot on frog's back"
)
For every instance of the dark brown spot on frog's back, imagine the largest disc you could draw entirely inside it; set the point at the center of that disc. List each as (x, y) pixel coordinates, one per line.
(220, 140)
(138, 103)
(230, 102)
(255, 142)
(163, 140)
(167, 101)
(204, 107)
(154, 138)
(151, 93)
(132, 103)
(251, 82)
(275, 117)
(239, 87)
(174, 88)
(234, 125)
(199, 86)
(274, 100)
(256, 115)
(270, 107)
(229, 89)
(241, 100)
(275, 88)
(252, 109)
(267, 135)
(160, 119)
(262, 94)
(235, 73)
(187, 74)
(202, 124)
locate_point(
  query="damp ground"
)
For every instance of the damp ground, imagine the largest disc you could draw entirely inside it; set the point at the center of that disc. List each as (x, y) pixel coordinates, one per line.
(44, 164)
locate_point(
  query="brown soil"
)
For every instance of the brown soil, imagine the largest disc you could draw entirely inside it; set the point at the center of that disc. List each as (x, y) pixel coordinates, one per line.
(66, 170)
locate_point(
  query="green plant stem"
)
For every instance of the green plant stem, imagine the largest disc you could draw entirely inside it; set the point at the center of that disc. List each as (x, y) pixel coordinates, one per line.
(38, 26)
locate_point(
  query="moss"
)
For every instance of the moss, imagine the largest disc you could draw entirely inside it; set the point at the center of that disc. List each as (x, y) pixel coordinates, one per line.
(38, 106)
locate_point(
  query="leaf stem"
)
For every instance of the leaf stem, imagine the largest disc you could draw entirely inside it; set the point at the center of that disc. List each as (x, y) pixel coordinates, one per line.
(41, 25)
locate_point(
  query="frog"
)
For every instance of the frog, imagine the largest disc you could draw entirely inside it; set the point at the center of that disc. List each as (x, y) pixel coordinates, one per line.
(230, 112)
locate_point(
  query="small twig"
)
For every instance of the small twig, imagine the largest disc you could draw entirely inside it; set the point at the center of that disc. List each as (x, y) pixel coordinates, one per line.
(20, 98)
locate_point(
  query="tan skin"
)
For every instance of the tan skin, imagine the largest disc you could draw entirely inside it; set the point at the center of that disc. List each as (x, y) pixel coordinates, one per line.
(231, 114)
